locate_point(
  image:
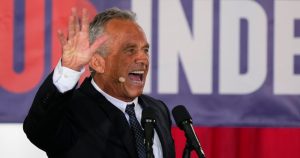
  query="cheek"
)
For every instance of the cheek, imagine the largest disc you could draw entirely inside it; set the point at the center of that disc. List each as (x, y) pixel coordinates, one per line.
(123, 66)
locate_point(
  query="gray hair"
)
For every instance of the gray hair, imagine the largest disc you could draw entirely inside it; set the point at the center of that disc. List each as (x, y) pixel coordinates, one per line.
(97, 26)
(100, 20)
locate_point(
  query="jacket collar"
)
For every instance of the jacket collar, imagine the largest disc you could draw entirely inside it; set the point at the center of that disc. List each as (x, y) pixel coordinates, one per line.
(114, 114)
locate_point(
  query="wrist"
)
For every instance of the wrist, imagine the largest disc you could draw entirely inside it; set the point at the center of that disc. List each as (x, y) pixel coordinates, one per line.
(72, 66)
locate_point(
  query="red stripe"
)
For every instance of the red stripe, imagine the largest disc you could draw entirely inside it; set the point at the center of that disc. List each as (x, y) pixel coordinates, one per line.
(34, 47)
(244, 142)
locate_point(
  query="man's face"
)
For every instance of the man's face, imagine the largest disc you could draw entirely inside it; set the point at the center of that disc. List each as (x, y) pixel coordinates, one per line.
(127, 58)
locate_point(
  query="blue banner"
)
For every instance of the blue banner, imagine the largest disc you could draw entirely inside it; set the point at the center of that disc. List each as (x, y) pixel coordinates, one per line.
(231, 63)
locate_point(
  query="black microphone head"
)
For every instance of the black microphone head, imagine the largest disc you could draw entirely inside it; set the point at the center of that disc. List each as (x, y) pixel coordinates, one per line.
(148, 116)
(180, 115)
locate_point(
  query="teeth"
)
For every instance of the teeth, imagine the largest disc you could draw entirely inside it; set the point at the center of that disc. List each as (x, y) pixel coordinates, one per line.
(138, 72)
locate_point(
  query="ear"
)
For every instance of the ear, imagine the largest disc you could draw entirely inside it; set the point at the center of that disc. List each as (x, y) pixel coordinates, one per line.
(97, 63)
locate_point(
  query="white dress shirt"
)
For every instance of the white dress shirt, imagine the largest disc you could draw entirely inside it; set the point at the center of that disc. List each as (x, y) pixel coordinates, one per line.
(65, 79)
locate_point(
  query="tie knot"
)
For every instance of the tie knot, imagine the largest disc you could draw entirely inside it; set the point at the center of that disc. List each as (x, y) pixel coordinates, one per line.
(130, 109)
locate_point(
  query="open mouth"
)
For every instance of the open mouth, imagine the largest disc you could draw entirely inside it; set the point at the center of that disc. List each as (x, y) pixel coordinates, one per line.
(136, 75)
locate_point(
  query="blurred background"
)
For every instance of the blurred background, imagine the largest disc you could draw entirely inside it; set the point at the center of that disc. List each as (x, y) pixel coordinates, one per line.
(234, 64)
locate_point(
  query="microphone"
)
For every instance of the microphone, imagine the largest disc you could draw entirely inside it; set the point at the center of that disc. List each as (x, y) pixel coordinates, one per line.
(122, 79)
(184, 122)
(148, 123)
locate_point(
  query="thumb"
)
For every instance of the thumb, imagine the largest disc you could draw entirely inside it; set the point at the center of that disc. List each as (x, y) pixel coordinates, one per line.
(98, 42)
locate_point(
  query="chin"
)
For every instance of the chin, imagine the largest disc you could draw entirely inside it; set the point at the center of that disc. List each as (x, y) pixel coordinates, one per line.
(135, 93)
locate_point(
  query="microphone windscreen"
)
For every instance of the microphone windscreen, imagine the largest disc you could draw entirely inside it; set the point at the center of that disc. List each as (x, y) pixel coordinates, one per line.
(148, 113)
(180, 114)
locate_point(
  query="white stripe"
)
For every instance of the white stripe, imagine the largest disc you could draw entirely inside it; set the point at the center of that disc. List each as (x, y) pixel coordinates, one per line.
(14, 143)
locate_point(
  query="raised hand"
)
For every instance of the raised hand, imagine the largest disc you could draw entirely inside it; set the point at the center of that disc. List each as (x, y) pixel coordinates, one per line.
(77, 50)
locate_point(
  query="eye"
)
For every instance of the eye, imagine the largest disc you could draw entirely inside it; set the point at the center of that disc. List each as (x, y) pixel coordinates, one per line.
(146, 50)
(130, 50)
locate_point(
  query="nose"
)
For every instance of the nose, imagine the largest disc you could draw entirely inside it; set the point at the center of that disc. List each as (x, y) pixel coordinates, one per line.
(142, 58)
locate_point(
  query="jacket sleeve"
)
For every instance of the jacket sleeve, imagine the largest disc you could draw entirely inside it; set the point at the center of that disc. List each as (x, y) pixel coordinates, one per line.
(46, 119)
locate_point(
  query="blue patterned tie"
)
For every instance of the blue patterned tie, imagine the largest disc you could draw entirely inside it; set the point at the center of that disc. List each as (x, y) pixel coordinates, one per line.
(137, 131)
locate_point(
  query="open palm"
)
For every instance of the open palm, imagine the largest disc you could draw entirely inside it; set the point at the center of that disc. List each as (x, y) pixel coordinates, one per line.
(77, 50)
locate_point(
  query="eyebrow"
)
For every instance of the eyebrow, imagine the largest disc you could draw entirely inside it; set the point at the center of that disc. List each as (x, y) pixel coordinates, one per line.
(129, 45)
(147, 46)
(132, 45)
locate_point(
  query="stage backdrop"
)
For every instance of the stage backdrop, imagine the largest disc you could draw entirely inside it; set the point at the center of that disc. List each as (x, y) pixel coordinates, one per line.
(235, 65)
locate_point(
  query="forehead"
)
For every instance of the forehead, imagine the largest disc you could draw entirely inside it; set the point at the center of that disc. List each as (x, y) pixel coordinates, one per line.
(125, 29)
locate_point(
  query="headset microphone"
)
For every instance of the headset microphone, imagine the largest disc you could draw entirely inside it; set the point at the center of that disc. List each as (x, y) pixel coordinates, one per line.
(122, 79)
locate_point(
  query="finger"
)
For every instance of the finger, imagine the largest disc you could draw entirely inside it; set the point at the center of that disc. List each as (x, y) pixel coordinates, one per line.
(85, 21)
(76, 20)
(72, 23)
(61, 37)
(98, 42)
(71, 28)
(74, 11)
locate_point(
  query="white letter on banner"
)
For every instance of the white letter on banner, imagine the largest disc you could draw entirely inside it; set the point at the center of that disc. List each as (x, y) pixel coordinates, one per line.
(286, 46)
(143, 8)
(193, 49)
(231, 81)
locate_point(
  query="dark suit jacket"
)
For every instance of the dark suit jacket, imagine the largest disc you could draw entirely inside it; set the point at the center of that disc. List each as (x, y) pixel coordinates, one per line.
(81, 123)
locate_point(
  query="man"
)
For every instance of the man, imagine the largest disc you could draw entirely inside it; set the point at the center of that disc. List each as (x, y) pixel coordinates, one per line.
(95, 120)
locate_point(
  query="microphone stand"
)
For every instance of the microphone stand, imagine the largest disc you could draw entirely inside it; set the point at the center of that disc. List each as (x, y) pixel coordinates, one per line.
(187, 151)
(149, 150)
(189, 148)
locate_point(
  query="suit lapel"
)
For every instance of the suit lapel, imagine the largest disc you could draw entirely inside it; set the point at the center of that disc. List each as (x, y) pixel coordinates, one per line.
(115, 115)
(159, 127)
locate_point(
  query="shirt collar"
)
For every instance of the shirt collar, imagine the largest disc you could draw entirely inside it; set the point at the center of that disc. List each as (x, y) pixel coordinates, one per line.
(117, 102)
